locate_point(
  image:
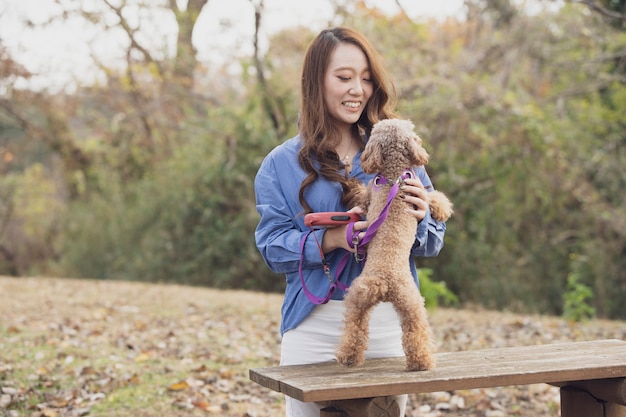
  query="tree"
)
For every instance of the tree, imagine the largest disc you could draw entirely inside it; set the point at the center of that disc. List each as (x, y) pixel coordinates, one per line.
(522, 115)
(186, 208)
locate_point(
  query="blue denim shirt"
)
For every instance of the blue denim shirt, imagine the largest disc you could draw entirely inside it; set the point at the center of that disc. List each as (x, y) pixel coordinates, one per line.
(281, 229)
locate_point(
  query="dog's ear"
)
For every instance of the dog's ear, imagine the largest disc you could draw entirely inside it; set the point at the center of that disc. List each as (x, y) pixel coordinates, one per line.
(357, 194)
(372, 157)
(419, 154)
(415, 151)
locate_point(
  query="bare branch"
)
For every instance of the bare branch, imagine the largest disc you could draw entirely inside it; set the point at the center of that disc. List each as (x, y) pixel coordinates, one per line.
(53, 135)
(134, 44)
(270, 108)
(595, 6)
(402, 10)
(138, 100)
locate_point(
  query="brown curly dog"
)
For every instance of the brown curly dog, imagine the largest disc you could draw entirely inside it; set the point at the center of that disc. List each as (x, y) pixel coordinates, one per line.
(392, 149)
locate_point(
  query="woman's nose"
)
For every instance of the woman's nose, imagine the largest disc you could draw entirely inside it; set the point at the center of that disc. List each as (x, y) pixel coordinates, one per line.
(357, 88)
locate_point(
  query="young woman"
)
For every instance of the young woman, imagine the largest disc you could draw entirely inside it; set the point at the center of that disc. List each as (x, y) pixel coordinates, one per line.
(345, 91)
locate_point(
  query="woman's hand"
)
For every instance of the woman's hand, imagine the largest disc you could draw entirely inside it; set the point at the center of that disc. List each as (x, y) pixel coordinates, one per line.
(335, 237)
(416, 197)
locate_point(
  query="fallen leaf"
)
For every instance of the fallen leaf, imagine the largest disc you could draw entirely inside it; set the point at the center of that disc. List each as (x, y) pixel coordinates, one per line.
(201, 368)
(226, 373)
(58, 402)
(179, 386)
(203, 405)
(144, 356)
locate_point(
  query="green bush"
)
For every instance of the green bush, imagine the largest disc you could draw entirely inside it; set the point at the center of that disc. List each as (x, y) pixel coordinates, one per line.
(576, 300)
(435, 293)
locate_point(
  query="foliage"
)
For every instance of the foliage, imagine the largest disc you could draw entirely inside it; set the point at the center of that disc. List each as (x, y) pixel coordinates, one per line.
(435, 293)
(506, 144)
(30, 215)
(182, 222)
(149, 176)
(576, 300)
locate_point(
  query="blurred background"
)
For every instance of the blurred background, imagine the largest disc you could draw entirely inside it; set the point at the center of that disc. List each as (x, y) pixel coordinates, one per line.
(131, 132)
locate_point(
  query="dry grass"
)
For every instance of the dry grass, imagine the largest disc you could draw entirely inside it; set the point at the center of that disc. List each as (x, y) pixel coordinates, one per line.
(111, 348)
(102, 348)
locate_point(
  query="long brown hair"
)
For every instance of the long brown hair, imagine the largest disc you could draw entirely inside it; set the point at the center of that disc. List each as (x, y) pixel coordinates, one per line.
(319, 135)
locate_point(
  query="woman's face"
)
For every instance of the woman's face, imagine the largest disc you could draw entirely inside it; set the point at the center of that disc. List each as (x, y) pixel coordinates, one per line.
(347, 84)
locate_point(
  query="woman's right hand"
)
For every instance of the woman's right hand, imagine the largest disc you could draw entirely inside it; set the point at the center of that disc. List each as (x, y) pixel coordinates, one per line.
(335, 237)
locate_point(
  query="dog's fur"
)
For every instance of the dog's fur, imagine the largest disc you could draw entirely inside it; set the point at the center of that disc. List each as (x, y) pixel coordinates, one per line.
(392, 148)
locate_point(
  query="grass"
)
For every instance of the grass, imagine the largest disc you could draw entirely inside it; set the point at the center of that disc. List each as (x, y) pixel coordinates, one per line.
(100, 348)
(112, 348)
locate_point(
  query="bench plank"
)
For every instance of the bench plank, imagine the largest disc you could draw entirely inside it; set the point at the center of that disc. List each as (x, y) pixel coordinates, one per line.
(553, 363)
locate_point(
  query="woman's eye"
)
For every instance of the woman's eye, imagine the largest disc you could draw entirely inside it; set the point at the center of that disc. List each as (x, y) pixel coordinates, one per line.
(344, 78)
(367, 80)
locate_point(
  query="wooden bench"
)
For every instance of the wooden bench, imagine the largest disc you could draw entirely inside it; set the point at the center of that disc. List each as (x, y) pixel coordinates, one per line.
(591, 376)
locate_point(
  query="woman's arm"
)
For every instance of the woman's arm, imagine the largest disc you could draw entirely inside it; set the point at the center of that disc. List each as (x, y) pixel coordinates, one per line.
(278, 235)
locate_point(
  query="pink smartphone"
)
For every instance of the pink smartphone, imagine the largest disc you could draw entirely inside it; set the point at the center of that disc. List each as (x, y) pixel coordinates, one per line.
(330, 218)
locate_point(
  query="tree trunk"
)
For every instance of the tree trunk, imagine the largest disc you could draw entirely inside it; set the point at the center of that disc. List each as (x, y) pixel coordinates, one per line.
(185, 61)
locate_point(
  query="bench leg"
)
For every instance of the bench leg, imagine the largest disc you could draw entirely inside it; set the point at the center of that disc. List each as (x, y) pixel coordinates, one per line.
(363, 407)
(332, 412)
(578, 403)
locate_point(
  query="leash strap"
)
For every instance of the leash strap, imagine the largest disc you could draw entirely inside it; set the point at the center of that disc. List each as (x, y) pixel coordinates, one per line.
(334, 283)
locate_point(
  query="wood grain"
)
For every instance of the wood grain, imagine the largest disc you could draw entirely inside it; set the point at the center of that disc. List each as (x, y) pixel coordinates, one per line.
(553, 363)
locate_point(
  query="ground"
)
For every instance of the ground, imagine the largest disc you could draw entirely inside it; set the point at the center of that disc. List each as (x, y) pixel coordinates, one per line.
(112, 348)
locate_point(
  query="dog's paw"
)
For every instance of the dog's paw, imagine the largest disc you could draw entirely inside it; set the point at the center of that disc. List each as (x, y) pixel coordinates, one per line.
(350, 359)
(422, 363)
(441, 207)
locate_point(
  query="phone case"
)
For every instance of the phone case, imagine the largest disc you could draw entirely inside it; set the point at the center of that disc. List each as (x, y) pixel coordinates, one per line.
(330, 218)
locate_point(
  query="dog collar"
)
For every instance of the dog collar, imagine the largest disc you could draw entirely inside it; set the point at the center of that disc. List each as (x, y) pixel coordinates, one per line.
(380, 179)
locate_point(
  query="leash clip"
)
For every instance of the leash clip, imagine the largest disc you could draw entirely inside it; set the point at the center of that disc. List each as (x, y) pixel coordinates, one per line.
(358, 256)
(327, 272)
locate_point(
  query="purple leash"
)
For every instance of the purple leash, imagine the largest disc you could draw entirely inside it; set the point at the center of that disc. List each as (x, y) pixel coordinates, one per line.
(334, 284)
(353, 239)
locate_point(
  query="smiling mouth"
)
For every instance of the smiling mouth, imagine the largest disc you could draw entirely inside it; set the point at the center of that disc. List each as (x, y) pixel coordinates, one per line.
(352, 104)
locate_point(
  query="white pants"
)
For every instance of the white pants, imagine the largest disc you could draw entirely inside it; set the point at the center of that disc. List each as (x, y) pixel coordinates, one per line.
(317, 337)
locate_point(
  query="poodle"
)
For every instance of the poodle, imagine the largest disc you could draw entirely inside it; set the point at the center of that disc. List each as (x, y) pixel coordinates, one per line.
(392, 150)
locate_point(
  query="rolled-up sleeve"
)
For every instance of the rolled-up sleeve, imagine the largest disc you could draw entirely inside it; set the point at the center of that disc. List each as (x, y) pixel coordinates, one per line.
(430, 232)
(279, 235)
(429, 237)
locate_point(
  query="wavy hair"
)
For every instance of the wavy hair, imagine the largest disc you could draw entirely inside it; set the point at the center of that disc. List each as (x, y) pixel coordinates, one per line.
(319, 135)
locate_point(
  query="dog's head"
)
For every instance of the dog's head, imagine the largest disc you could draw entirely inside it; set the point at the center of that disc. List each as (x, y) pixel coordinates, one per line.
(393, 146)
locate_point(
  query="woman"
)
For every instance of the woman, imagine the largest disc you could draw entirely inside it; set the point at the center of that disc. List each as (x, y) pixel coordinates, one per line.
(345, 90)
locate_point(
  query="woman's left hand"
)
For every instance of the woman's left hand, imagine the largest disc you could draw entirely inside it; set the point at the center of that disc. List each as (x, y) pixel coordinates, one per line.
(416, 197)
